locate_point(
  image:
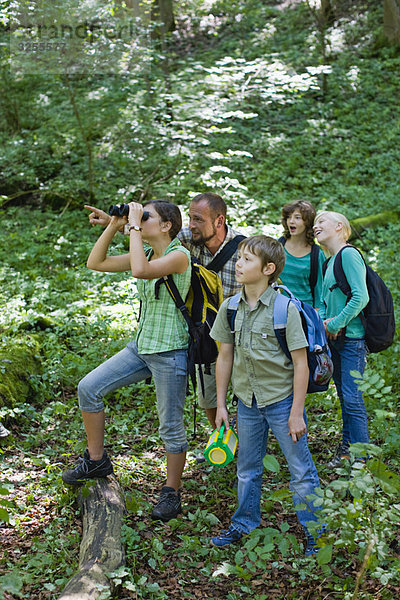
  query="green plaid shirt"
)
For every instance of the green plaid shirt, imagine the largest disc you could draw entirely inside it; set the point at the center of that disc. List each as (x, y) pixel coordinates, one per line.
(162, 327)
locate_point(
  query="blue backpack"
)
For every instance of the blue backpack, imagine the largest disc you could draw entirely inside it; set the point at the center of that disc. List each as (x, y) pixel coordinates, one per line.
(318, 354)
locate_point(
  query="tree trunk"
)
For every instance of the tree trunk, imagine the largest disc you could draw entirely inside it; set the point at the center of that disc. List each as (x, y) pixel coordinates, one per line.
(391, 20)
(362, 223)
(101, 551)
(162, 14)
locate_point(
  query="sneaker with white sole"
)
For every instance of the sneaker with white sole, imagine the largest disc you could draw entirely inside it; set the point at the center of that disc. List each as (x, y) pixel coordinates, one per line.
(86, 468)
(226, 537)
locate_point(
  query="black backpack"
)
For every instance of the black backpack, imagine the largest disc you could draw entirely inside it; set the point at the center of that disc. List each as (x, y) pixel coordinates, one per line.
(201, 305)
(313, 265)
(378, 316)
(200, 308)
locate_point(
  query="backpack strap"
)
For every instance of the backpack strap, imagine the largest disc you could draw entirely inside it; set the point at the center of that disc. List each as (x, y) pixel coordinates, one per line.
(280, 313)
(232, 309)
(226, 253)
(169, 283)
(177, 298)
(314, 259)
(341, 279)
(325, 266)
(339, 274)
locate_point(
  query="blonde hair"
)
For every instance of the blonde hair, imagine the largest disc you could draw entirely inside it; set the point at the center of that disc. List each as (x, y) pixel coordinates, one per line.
(336, 218)
(268, 250)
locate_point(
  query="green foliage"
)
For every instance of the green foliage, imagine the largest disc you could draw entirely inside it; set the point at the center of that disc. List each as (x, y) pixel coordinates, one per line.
(235, 104)
(362, 515)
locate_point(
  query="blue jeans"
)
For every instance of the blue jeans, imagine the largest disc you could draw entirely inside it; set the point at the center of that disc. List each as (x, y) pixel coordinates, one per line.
(169, 371)
(347, 356)
(253, 427)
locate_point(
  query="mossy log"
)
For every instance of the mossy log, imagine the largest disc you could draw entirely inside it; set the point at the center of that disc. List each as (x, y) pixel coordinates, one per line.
(19, 362)
(359, 225)
(101, 550)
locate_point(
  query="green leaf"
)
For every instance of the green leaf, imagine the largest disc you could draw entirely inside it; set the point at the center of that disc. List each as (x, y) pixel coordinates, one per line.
(271, 464)
(239, 557)
(11, 582)
(324, 555)
(281, 494)
(4, 516)
(389, 481)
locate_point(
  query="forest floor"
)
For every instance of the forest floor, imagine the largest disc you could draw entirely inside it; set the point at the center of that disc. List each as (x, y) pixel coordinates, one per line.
(173, 560)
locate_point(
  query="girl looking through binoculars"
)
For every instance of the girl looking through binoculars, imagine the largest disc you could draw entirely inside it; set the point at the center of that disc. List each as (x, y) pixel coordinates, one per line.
(159, 350)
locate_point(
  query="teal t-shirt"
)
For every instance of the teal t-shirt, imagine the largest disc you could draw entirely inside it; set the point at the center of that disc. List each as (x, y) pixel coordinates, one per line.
(296, 275)
(334, 301)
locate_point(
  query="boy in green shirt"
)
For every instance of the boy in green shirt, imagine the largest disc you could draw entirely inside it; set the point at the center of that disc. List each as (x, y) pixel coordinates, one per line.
(271, 389)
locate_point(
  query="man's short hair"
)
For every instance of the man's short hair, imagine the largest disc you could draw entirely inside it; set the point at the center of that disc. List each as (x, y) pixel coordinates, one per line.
(268, 250)
(216, 203)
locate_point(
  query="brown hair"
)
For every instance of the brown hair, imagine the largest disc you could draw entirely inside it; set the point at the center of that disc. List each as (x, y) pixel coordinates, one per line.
(216, 203)
(307, 212)
(168, 212)
(268, 250)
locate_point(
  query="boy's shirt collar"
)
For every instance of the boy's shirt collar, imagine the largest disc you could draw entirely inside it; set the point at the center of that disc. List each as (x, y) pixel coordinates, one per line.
(266, 297)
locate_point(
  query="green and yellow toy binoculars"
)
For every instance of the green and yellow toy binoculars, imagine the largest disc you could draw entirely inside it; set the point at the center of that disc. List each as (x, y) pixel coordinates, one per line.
(220, 449)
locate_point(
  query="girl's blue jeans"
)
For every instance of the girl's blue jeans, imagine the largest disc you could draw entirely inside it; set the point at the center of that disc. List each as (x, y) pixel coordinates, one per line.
(347, 356)
(169, 372)
(253, 426)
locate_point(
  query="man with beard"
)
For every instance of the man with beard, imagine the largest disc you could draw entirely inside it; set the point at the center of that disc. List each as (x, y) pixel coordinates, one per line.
(205, 238)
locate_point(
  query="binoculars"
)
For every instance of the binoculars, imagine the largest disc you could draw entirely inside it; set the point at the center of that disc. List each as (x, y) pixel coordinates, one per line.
(122, 210)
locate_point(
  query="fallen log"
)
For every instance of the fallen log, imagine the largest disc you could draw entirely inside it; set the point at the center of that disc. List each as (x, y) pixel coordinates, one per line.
(101, 550)
(370, 221)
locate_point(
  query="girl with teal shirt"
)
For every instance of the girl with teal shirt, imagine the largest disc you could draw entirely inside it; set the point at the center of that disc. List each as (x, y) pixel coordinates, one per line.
(344, 329)
(302, 272)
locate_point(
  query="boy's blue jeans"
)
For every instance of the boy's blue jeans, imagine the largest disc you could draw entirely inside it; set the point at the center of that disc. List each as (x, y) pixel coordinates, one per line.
(346, 357)
(253, 426)
(169, 372)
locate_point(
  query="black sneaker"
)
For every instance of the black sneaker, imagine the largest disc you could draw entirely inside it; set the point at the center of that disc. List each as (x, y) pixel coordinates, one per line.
(86, 468)
(169, 505)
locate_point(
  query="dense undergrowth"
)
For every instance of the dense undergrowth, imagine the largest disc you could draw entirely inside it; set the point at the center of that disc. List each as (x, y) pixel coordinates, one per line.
(247, 107)
(77, 318)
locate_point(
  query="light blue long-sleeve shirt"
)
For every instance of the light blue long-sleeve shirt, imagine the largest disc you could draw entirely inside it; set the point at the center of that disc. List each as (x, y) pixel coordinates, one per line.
(334, 301)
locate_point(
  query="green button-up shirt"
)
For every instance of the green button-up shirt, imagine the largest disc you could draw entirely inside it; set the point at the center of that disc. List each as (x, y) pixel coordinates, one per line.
(260, 367)
(162, 327)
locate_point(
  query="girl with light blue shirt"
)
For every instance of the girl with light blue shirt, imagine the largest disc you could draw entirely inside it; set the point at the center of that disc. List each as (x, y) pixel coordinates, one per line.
(302, 273)
(344, 328)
